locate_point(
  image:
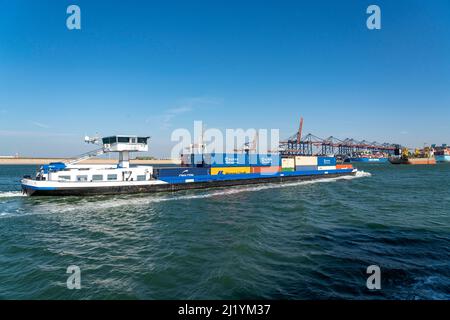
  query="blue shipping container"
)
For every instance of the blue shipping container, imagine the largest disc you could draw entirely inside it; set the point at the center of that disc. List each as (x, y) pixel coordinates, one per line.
(182, 172)
(265, 160)
(227, 160)
(244, 159)
(326, 161)
(241, 160)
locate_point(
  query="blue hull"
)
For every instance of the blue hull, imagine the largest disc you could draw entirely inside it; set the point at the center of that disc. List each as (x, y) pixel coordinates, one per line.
(368, 160)
(252, 176)
(443, 158)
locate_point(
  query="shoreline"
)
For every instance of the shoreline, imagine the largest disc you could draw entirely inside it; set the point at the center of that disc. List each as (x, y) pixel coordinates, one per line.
(41, 161)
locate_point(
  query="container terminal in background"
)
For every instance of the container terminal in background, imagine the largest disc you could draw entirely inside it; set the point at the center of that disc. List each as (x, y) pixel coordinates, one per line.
(347, 150)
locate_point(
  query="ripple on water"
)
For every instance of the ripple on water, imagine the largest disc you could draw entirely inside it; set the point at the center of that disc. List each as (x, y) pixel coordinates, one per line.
(298, 240)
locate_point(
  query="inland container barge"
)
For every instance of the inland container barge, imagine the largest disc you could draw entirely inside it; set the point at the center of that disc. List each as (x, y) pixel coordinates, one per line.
(197, 171)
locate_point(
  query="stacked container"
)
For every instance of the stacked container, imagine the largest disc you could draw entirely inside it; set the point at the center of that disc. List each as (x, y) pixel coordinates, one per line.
(243, 162)
(288, 164)
(230, 170)
(305, 163)
(266, 170)
(264, 160)
(265, 164)
(326, 163)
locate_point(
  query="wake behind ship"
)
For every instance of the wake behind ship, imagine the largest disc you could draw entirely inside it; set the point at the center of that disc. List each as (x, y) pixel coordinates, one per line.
(198, 171)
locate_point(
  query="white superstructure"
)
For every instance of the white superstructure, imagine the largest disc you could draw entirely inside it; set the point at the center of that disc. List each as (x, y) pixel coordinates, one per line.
(96, 173)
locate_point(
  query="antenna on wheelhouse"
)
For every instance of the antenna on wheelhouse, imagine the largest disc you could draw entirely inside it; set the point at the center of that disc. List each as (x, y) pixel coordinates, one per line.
(93, 140)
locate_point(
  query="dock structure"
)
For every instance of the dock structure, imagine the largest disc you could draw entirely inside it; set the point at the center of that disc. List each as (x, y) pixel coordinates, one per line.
(297, 144)
(314, 145)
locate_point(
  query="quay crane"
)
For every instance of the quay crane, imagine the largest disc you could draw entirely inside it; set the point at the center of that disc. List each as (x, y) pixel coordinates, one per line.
(297, 144)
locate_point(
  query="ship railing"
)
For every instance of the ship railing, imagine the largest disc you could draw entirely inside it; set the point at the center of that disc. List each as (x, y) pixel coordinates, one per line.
(86, 156)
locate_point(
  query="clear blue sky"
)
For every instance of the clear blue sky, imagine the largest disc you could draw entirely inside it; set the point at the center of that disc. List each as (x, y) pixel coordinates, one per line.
(148, 67)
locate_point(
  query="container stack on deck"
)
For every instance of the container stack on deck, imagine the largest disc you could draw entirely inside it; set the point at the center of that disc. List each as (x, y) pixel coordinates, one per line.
(288, 164)
(326, 163)
(244, 163)
(305, 163)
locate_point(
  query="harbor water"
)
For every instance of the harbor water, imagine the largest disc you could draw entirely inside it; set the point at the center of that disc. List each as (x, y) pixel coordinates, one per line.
(302, 240)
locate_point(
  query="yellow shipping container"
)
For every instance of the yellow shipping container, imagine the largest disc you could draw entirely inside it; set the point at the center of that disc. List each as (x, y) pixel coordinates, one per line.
(230, 170)
(305, 161)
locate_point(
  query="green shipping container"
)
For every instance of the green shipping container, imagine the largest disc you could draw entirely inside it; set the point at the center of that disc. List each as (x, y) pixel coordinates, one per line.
(287, 169)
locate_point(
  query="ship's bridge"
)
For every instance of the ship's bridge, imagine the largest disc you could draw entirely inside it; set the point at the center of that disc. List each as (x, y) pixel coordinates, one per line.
(120, 143)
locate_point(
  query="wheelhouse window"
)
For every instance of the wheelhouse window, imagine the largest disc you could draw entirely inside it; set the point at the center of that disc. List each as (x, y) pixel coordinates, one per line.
(142, 140)
(141, 177)
(112, 177)
(82, 178)
(109, 140)
(65, 178)
(97, 177)
(123, 139)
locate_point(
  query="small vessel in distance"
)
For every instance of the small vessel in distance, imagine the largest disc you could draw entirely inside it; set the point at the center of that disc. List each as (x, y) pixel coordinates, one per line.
(198, 171)
(442, 153)
(367, 157)
(404, 156)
